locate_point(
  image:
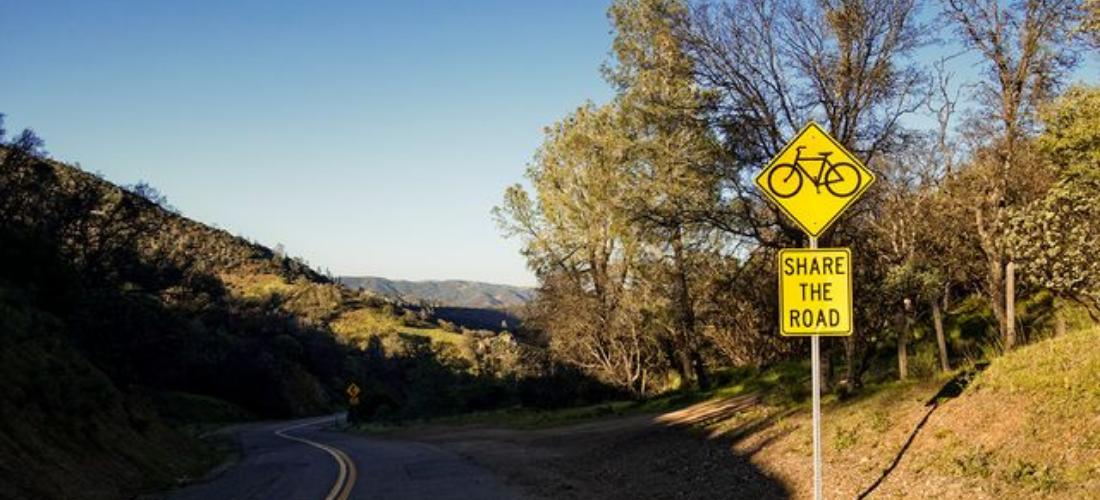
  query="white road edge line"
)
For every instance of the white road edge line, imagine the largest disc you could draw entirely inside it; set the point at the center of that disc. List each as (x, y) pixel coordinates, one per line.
(345, 480)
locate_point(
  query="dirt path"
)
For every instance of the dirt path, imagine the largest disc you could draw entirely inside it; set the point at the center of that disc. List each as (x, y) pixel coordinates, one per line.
(630, 458)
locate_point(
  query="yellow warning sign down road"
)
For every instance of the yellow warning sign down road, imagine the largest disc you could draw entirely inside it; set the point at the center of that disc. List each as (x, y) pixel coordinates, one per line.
(815, 291)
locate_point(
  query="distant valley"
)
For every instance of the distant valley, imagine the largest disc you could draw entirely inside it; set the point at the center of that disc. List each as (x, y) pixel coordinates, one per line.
(448, 293)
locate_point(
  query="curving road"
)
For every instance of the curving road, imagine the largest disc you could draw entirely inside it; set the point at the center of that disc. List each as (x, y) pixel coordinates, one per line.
(306, 460)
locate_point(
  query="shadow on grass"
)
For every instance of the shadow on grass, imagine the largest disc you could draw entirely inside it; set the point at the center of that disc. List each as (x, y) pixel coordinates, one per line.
(952, 389)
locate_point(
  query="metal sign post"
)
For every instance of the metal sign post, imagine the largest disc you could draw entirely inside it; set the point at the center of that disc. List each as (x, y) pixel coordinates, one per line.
(815, 370)
(815, 363)
(813, 180)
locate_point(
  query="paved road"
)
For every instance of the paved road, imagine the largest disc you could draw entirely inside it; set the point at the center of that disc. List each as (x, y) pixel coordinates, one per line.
(306, 460)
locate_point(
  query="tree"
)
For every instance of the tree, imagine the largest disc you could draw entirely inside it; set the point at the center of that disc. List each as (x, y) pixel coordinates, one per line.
(583, 247)
(734, 315)
(1090, 25)
(646, 161)
(671, 179)
(1027, 47)
(1071, 135)
(151, 194)
(916, 258)
(22, 176)
(1054, 236)
(774, 65)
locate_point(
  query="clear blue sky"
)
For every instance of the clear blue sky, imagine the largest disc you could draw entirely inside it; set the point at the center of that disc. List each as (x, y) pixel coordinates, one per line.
(369, 137)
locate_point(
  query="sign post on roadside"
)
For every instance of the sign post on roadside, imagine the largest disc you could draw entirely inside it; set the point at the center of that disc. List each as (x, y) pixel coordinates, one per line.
(813, 180)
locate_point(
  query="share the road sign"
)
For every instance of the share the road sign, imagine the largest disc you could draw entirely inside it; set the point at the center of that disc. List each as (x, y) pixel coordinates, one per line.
(815, 291)
(814, 179)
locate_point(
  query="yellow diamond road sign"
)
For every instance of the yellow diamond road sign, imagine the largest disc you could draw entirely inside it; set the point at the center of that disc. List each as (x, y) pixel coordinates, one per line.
(353, 390)
(814, 179)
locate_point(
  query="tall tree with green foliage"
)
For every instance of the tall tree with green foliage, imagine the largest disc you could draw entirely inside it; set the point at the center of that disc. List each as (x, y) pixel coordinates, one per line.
(1055, 237)
(1027, 47)
(584, 247)
(776, 65)
(672, 181)
(1090, 25)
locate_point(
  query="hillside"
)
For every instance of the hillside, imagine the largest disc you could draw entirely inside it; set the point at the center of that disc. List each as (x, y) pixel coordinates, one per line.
(1025, 427)
(449, 293)
(128, 325)
(69, 431)
(123, 321)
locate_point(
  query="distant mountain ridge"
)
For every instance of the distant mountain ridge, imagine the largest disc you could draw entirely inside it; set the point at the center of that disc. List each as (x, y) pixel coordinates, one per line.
(452, 293)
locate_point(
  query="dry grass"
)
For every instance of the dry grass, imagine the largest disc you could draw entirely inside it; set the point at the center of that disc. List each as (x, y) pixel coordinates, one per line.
(1028, 427)
(257, 286)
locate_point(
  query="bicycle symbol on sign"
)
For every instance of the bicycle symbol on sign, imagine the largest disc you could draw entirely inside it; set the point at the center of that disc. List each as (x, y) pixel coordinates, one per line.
(841, 179)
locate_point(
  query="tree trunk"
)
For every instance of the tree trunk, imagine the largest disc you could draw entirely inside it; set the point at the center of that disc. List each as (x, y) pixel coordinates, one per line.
(903, 351)
(702, 378)
(997, 302)
(826, 365)
(995, 286)
(850, 373)
(690, 360)
(683, 364)
(937, 319)
(1010, 305)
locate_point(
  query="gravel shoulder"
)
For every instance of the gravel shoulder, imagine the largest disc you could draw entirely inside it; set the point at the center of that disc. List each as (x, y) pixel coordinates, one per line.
(627, 458)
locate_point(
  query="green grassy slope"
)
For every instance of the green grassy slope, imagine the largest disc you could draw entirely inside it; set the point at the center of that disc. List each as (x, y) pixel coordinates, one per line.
(119, 329)
(126, 322)
(66, 430)
(1025, 426)
(1028, 426)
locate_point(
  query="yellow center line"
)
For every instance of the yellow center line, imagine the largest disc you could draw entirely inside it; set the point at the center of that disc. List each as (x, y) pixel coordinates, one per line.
(345, 479)
(350, 478)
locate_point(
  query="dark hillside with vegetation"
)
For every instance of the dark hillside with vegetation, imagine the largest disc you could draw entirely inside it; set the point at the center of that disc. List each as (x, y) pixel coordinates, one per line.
(125, 322)
(66, 430)
(145, 293)
(115, 309)
(480, 319)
